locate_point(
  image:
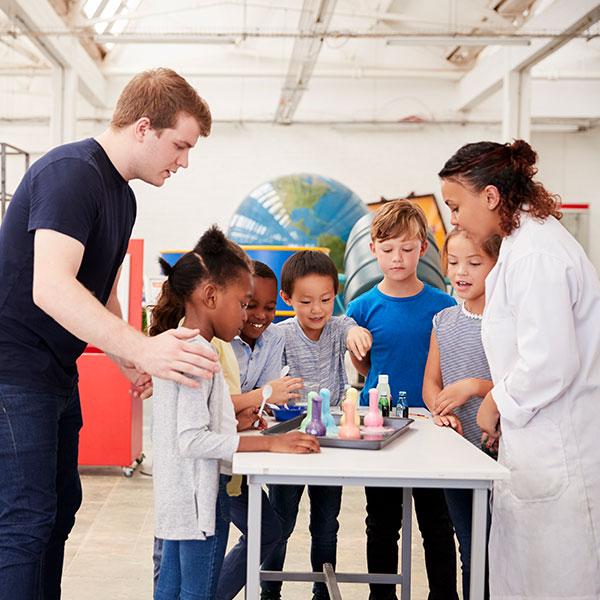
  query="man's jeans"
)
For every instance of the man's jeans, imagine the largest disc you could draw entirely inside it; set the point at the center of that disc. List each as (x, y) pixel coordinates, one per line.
(40, 490)
(384, 520)
(325, 503)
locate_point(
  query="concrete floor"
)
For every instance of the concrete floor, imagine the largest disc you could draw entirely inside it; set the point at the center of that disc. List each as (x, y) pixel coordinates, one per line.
(109, 553)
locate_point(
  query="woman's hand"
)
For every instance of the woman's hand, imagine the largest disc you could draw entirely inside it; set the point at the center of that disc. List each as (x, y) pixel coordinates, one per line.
(449, 421)
(247, 417)
(488, 419)
(294, 442)
(454, 395)
(359, 341)
(285, 389)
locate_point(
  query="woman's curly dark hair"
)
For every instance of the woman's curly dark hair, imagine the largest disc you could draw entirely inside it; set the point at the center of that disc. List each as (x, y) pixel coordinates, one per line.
(510, 168)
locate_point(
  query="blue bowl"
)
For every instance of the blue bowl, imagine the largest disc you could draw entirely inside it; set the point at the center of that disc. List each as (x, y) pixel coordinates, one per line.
(285, 414)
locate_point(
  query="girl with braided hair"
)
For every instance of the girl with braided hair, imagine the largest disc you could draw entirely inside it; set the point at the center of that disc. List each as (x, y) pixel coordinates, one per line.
(194, 431)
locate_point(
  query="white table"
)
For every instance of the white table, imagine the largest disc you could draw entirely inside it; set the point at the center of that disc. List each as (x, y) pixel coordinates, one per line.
(426, 456)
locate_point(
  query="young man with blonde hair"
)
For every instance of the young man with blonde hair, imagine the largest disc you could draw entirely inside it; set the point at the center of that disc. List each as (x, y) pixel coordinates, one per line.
(62, 243)
(398, 312)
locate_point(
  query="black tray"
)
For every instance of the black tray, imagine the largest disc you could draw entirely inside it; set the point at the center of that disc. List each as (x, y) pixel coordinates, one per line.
(398, 424)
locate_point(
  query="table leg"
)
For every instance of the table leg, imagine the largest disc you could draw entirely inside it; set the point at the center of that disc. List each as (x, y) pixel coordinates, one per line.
(478, 543)
(254, 517)
(406, 542)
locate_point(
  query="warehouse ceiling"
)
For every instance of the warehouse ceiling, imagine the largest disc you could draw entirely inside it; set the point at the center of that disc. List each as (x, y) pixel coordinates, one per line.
(286, 61)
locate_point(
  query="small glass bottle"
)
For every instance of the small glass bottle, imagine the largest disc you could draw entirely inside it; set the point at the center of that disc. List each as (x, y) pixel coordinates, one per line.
(383, 390)
(402, 405)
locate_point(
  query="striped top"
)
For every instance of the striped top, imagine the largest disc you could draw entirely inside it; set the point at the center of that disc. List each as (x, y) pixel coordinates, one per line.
(458, 335)
(320, 363)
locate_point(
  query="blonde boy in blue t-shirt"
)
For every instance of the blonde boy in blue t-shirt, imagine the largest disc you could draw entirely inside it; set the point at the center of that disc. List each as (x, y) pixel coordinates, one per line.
(398, 312)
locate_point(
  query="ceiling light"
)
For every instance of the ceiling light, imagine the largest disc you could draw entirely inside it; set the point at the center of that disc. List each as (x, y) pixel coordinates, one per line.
(166, 38)
(458, 40)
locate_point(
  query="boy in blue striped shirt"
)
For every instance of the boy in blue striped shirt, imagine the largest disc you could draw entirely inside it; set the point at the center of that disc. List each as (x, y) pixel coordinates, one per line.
(314, 347)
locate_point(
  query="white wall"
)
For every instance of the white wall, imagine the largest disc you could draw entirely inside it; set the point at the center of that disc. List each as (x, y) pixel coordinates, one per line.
(569, 166)
(372, 161)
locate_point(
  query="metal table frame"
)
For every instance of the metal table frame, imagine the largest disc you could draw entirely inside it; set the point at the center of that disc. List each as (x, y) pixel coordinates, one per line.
(478, 535)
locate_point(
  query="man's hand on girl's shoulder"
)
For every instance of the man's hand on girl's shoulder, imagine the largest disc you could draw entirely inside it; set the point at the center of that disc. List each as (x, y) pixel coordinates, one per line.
(170, 355)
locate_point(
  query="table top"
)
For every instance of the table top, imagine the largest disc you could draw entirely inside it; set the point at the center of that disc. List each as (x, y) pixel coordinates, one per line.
(424, 452)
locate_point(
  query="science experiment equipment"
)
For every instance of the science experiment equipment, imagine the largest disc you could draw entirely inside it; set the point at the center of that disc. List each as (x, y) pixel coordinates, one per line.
(373, 419)
(285, 414)
(308, 416)
(352, 395)
(384, 394)
(349, 430)
(267, 392)
(366, 439)
(327, 417)
(315, 426)
(402, 405)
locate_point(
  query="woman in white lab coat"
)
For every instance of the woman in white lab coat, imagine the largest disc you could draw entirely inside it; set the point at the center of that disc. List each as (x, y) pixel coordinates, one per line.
(541, 334)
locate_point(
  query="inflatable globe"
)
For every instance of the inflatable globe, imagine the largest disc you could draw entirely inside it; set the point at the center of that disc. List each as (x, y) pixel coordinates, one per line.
(298, 210)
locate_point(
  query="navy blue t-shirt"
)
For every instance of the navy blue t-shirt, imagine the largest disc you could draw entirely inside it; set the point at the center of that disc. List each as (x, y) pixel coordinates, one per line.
(401, 330)
(75, 190)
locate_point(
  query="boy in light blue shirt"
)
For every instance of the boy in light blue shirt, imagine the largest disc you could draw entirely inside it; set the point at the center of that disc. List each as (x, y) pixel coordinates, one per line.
(259, 347)
(399, 312)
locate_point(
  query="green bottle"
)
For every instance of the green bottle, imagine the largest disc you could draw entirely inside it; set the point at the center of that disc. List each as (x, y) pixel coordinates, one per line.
(383, 389)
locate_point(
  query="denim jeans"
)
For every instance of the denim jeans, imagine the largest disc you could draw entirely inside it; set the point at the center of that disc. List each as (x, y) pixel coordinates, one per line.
(384, 520)
(233, 572)
(189, 569)
(460, 507)
(325, 503)
(40, 490)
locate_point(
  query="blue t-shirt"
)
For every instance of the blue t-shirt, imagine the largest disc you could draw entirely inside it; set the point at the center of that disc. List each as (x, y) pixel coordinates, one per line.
(75, 190)
(401, 330)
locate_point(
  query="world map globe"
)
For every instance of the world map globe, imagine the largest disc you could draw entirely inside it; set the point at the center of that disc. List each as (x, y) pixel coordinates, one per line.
(298, 210)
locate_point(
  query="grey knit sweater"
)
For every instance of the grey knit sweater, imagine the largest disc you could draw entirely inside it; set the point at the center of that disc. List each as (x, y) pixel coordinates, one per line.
(193, 429)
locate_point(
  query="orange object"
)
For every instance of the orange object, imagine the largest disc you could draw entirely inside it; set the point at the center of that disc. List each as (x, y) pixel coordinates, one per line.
(112, 417)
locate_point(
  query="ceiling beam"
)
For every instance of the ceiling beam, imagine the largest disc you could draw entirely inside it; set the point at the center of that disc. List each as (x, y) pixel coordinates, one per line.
(314, 19)
(563, 20)
(31, 16)
(18, 47)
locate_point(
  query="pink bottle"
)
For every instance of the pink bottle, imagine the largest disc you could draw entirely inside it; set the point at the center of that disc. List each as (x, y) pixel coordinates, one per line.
(373, 418)
(349, 430)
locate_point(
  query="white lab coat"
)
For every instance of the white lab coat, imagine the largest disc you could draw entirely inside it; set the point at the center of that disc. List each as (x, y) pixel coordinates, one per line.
(541, 334)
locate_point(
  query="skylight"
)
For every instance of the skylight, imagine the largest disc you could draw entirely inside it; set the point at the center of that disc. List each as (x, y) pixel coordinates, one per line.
(109, 16)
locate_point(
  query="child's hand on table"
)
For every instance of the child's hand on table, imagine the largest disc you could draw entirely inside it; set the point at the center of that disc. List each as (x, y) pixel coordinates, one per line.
(294, 442)
(359, 341)
(454, 395)
(285, 389)
(488, 419)
(247, 417)
(449, 421)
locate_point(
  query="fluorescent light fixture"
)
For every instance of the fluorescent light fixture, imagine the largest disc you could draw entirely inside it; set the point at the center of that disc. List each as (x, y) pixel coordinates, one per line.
(458, 40)
(163, 38)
